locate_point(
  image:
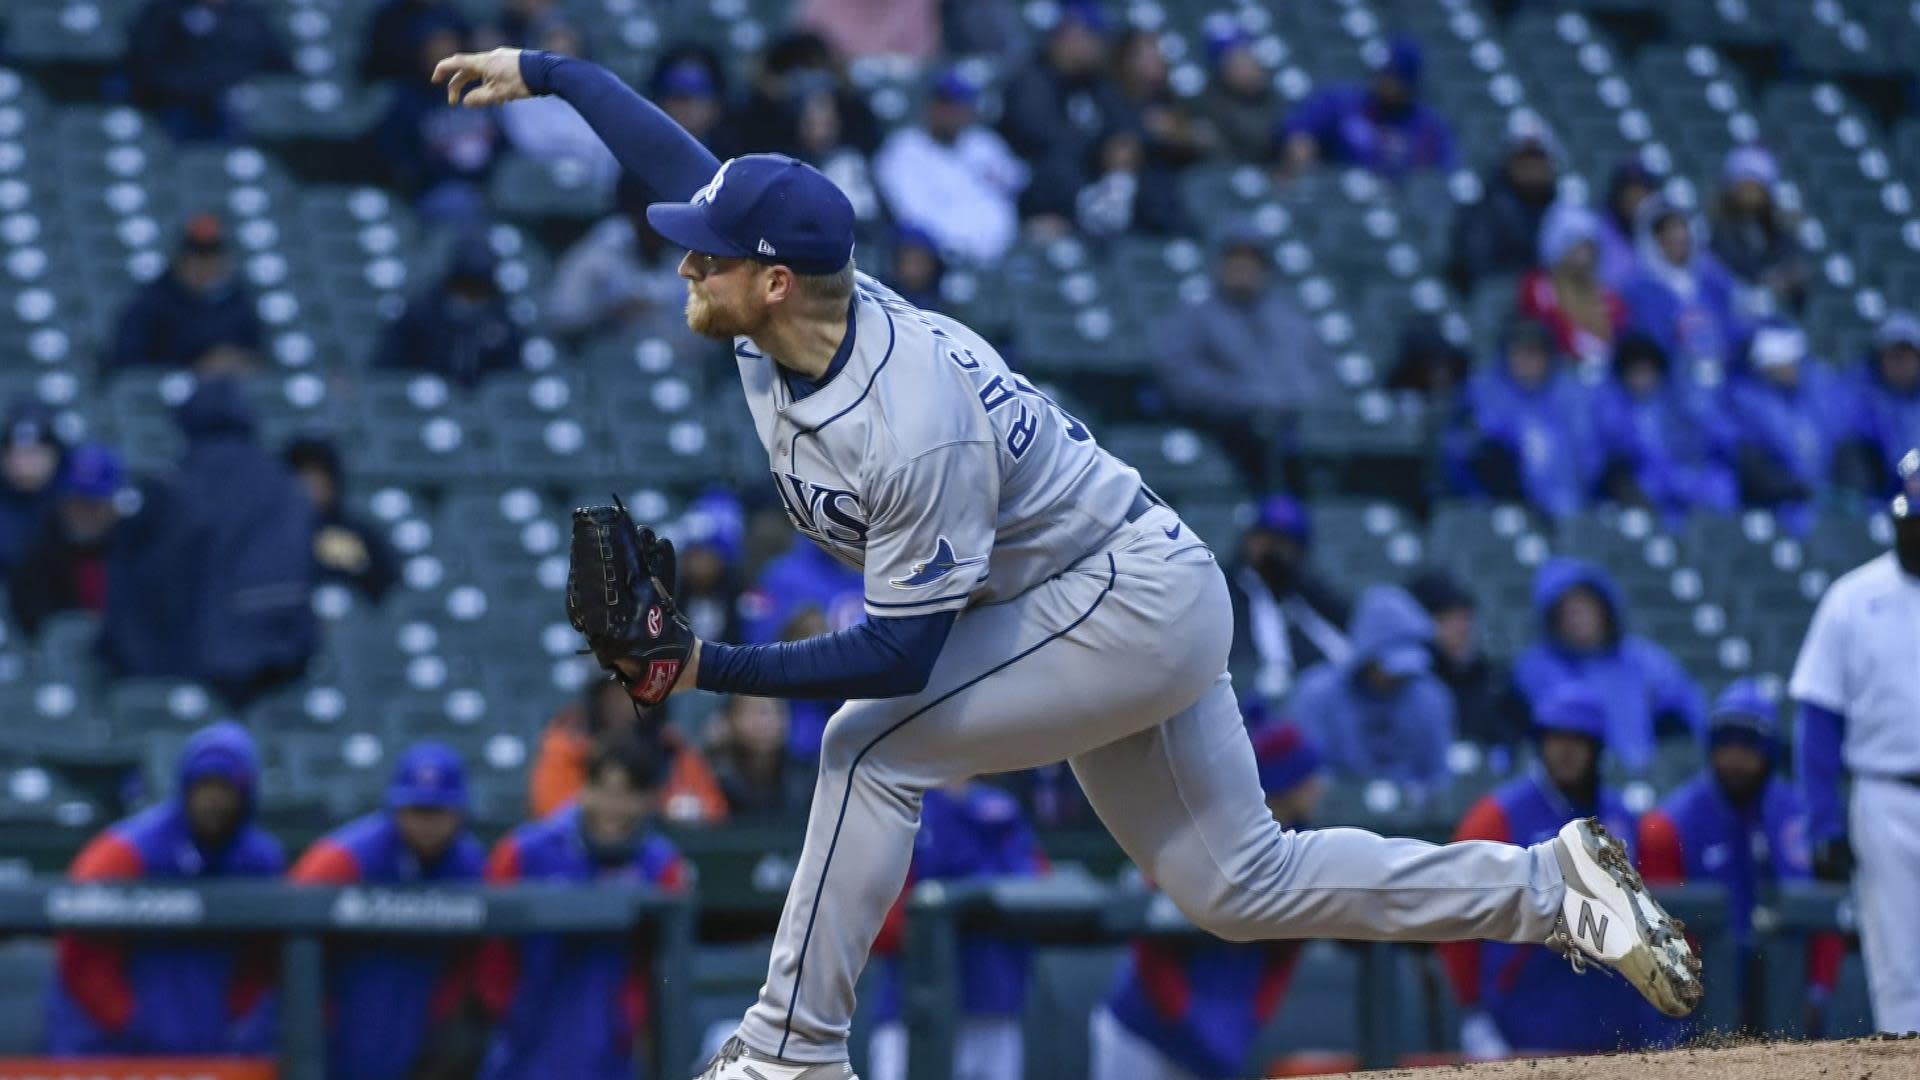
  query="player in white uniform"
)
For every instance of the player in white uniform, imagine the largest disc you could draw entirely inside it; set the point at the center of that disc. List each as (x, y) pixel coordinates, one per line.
(1029, 601)
(1858, 684)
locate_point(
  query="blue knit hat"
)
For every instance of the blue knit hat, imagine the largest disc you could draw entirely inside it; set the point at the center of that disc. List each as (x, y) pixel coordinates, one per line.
(1572, 707)
(428, 774)
(1287, 758)
(1743, 713)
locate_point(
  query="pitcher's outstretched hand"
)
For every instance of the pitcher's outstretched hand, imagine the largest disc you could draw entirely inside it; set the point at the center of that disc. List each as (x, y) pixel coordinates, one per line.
(493, 78)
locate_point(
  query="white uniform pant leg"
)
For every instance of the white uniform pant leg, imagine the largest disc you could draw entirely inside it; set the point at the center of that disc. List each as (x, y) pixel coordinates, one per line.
(1885, 831)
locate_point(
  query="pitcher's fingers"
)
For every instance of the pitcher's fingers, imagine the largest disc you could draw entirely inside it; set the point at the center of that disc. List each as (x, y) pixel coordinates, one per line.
(483, 95)
(447, 67)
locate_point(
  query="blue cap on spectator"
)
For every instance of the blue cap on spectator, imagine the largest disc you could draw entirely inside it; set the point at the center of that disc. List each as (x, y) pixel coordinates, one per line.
(1573, 707)
(1286, 757)
(1754, 163)
(768, 207)
(685, 78)
(428, 774)
(715, 520)
(1742, 713)
(1403, 60)
(1284, 514)
(92, 471)
(1898, 328)
(952, 85)
(1566, 227)
(1223, 34)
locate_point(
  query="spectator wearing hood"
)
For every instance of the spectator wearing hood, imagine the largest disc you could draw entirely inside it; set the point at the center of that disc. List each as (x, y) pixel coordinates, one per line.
(1058, 108)
(1500, 234)
(1381, 126)
(174, 996)
(1666, 445)
(65, 567)
(712, 538)
(952, 177)
(620, 276)
(345, 549)
(969, 831)
(459, 328)
(798, 594)
(917, 270)
(1487, 709)
(1527, 998)
(1243, 362)
(1183, 1010)
(1584, 639)
(546, 128)
(1381, 714)
(1789, 415)
(1888, 389)
(185, 57)
(439, 154)
(569, 1005)
(1630, 184)
(1565, 291)
(1738, 825)
(1680, 295)
(1753, 237)
(1240, 104)
(1530, 435)
(1286, 619)
(391, 40)
(391, 1001)
(30, 462)
(198, 313)
(215, 578)
(690, 794)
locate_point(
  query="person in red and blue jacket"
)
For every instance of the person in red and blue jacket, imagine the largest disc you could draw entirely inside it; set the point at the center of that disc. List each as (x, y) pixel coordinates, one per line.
(1526, 998)
(1740, 826)
(967, 831)
(384, 997)
(168, 995)
(1188, 1012)
(571, 1006)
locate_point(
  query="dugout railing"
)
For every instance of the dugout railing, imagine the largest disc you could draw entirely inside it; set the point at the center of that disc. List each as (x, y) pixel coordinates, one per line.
(302, 919)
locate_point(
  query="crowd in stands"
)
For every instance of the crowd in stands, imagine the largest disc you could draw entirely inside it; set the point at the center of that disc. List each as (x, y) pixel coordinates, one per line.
(1650, 356)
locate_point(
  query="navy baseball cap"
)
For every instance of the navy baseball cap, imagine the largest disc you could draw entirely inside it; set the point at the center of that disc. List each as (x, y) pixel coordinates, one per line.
(428, 774)
(768, 207)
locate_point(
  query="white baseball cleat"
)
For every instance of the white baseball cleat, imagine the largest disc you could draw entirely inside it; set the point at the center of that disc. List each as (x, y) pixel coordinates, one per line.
(736, 1061)
(1608, 916)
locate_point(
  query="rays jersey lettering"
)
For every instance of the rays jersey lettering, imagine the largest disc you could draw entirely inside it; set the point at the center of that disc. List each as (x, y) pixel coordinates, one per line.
(830, 516)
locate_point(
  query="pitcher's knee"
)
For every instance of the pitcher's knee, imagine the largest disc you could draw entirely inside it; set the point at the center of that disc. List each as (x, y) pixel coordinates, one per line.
(1221, 907)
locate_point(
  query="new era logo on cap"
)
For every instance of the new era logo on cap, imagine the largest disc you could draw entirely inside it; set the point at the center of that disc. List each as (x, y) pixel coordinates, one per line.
(769, 207)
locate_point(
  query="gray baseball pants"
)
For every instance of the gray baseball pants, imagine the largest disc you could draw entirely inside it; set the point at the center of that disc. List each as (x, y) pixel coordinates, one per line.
(1116, 666)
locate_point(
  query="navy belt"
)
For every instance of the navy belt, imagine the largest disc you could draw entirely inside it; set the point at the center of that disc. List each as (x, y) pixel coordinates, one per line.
(1143, 501)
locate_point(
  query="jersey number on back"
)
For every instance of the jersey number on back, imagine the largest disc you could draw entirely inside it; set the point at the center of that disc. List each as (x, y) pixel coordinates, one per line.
(1002, 390)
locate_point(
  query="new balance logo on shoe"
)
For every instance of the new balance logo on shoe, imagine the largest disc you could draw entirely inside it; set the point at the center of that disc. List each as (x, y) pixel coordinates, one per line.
(1594, 931)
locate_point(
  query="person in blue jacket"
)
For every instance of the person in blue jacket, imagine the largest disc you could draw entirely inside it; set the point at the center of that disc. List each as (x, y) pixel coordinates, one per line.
(1192, 1012)
(175, 995)
(1738, 825)
(1525, 998)
(571, 1006)
(1790, 413)
(1584, 638)
(799, 593)
(1531, 436)
(1664, 444)
(1889, 389)
(386, 997)
(1679, 294)
(968, 831)
(1382, 714)
(1382, 126)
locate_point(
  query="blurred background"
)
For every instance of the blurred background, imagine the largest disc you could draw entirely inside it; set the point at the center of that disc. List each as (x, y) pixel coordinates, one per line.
(1572, 343)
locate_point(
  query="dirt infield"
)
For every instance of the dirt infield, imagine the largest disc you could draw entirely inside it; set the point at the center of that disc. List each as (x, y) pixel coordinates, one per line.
(1881, 1058)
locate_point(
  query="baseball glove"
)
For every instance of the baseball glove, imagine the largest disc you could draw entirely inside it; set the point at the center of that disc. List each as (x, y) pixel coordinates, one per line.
(620, 596)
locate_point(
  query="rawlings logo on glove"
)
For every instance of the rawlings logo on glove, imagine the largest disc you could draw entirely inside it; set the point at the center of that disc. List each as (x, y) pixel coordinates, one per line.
(617, 571)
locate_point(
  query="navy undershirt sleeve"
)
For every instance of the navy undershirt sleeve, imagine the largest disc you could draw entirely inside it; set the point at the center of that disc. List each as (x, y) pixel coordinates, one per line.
(879, 658)
(647, 142)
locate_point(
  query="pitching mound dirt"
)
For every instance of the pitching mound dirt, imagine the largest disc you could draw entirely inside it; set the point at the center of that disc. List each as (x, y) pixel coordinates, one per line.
(1880, 1058)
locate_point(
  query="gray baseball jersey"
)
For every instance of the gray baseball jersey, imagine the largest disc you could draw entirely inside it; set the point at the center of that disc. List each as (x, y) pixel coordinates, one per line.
(931, 466)
(1088, 634)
